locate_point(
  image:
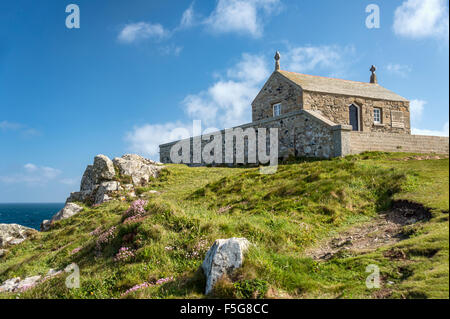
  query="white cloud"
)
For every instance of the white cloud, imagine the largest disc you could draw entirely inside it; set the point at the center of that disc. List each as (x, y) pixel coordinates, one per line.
(331, 59)
(443, 132)
(32, 174)
(422, 18)
(30, 167)
(398, 69)
(142, 30)
(416, 109)
(226, 103)
(146, 139)
(241, 16)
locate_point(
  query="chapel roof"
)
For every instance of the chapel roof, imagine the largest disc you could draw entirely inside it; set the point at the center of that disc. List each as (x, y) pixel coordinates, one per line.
(322, 84)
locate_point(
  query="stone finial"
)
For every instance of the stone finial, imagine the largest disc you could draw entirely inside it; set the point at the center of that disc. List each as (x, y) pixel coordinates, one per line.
(277, 61)
(373, 77)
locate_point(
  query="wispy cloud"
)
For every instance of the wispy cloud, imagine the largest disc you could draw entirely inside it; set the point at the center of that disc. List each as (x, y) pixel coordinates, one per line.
(70, 181)
(416, 108)
(422, 18)
(9, 126)
(399, 69)
(171, 49)
(134, 32)
(188, 17)
(443, 132)
(32, 174)
(332, 59)
(23, 129)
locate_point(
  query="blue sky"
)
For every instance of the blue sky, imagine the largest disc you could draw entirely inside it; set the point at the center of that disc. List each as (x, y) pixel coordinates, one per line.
(137, 69)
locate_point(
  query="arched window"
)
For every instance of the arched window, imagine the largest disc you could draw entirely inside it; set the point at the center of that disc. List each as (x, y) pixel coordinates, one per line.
(354, 116)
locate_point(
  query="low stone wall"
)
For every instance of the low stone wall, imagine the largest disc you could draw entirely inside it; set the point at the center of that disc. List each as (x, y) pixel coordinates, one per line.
(306, 133)
(300, 133)
(359, 142)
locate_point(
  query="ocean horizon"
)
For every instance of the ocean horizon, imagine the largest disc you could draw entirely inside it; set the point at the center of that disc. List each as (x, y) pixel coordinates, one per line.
(28, 214)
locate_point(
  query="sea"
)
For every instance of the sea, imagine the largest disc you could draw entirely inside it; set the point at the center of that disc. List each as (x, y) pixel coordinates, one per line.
(29, 214)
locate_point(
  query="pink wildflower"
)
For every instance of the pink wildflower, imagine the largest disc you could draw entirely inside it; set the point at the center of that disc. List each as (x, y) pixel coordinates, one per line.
(136, 208)
(96, 231)
(105, 238)
(76, 250)
(124, 253)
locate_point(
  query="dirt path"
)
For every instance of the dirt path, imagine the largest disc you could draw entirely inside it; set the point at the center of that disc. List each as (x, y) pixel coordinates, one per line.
(386, 229)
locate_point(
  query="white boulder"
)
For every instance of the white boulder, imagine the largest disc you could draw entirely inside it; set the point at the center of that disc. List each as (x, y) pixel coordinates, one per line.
(140, 169)
(13, 234)
(224, 256)
(69, 210)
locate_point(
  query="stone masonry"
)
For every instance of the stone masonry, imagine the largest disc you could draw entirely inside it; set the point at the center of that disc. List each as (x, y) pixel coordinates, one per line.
(301, 133)
(316, 117)
(332, 98)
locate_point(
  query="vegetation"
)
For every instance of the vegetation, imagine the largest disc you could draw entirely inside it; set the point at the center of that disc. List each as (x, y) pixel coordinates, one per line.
(155, 248)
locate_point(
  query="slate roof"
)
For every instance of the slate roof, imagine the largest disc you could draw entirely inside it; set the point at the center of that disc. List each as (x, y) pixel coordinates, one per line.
(321, 84)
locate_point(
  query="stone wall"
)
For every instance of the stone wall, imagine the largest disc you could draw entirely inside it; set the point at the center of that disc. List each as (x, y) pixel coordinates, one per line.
(276, 90)
(373, 141)
(300, 133)
(336, 108)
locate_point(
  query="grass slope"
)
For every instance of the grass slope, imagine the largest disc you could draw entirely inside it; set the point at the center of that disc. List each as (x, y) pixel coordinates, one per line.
(282, 214)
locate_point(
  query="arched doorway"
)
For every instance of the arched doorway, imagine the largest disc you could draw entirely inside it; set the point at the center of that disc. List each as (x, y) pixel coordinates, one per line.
(354, 117)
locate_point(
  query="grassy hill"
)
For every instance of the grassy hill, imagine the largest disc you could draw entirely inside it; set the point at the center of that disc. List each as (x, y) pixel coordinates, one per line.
(289, 217)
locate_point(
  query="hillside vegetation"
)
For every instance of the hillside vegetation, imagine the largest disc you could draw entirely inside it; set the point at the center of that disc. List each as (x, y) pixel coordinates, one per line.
(286, 216)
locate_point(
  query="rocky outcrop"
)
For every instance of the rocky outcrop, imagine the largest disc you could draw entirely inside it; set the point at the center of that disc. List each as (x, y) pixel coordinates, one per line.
(93, 187)
(105, 180)
(224, 256)
(140, 169)
(69, 210)
(13, 234)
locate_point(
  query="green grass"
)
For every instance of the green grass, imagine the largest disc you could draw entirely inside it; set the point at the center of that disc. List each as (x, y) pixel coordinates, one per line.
(283, 214)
